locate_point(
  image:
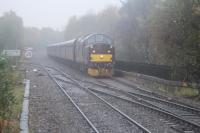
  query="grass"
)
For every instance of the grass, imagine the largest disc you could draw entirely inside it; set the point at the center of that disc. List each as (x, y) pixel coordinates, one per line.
(186, 92)
(13, 122)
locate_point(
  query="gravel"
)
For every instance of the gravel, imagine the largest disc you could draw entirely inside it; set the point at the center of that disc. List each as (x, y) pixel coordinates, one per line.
(50, 110)
(151, 121)
(136, 112)
(182, 100)
(105, 119)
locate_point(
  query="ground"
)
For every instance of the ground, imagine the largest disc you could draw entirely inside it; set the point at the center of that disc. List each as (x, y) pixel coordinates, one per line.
(51, 111)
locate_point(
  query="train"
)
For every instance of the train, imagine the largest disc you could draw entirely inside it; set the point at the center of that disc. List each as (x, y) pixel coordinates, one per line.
(92, 53)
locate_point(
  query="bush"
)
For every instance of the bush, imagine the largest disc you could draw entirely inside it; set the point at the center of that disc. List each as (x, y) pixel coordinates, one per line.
(2, 62)
(6, 96)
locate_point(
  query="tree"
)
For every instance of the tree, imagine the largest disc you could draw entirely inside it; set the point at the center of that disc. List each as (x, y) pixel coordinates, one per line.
(133, 29)
(11, 31)
(103, 22)
(35, 37)
(174, 30)
(161, 32)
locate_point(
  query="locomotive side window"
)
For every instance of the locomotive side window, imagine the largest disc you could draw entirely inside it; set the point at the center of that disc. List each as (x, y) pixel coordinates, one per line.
(107, 40)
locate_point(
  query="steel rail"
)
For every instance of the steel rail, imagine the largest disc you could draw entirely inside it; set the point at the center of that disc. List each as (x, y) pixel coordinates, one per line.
(110, 105)
(68, 96)
(158, 109)
(126, 99)
(137, 98)
(197, 111)
(120, 112)
(139, 88)
(154, 106)
(148, 103)
(153, 93)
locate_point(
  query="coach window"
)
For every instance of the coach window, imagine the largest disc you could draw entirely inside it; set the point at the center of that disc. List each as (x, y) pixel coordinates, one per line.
(80, 50)
(65, 51)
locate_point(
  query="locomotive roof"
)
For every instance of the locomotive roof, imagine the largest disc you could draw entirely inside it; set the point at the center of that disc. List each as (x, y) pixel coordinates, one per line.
(90, 36)
(94, 34)
(81, 39)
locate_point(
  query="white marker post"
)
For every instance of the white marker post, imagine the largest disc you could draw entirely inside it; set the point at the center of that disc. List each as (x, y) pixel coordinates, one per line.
(25, 110)
(28, 54)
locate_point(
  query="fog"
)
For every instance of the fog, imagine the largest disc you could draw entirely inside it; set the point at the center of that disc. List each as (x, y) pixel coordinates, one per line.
(52, 13)
(159, 32)
(93, 45)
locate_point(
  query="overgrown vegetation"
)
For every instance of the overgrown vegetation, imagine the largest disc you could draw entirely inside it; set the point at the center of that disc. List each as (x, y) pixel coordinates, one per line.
(11, 91)
(11, 95)
(13, 35)
(6, 96)
(11, 31)
(39, 38)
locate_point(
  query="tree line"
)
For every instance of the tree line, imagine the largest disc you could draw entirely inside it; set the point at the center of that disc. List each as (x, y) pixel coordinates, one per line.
(162, 32)
(13, 34)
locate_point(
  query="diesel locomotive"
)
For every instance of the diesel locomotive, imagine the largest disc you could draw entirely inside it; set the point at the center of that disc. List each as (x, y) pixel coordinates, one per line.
(93, 53)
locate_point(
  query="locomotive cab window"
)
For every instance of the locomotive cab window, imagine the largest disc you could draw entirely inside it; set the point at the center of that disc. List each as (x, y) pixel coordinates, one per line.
(102, 39)
(107, 40)
(99, 38)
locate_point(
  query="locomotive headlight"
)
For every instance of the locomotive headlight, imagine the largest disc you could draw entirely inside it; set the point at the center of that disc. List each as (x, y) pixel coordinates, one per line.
(93, 51)
(101, 56)
(108, 51)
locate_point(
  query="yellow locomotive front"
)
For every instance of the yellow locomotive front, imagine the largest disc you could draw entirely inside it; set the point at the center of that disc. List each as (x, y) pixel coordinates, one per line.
(101, 56)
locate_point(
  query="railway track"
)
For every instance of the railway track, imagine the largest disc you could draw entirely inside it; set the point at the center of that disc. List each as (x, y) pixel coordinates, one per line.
(152, 95)
(185, 118)
(72, 101)
(148, 95)
(148, 92)
(85, 99)
(188, 116)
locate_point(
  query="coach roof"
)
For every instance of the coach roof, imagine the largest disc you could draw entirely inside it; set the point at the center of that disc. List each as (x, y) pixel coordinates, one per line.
(63, 43)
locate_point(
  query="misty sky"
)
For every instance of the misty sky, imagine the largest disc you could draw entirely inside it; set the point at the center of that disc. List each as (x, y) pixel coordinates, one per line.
(53, 13)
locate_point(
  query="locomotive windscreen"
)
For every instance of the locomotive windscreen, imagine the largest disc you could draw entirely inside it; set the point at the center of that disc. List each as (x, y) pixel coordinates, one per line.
(99, 38)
